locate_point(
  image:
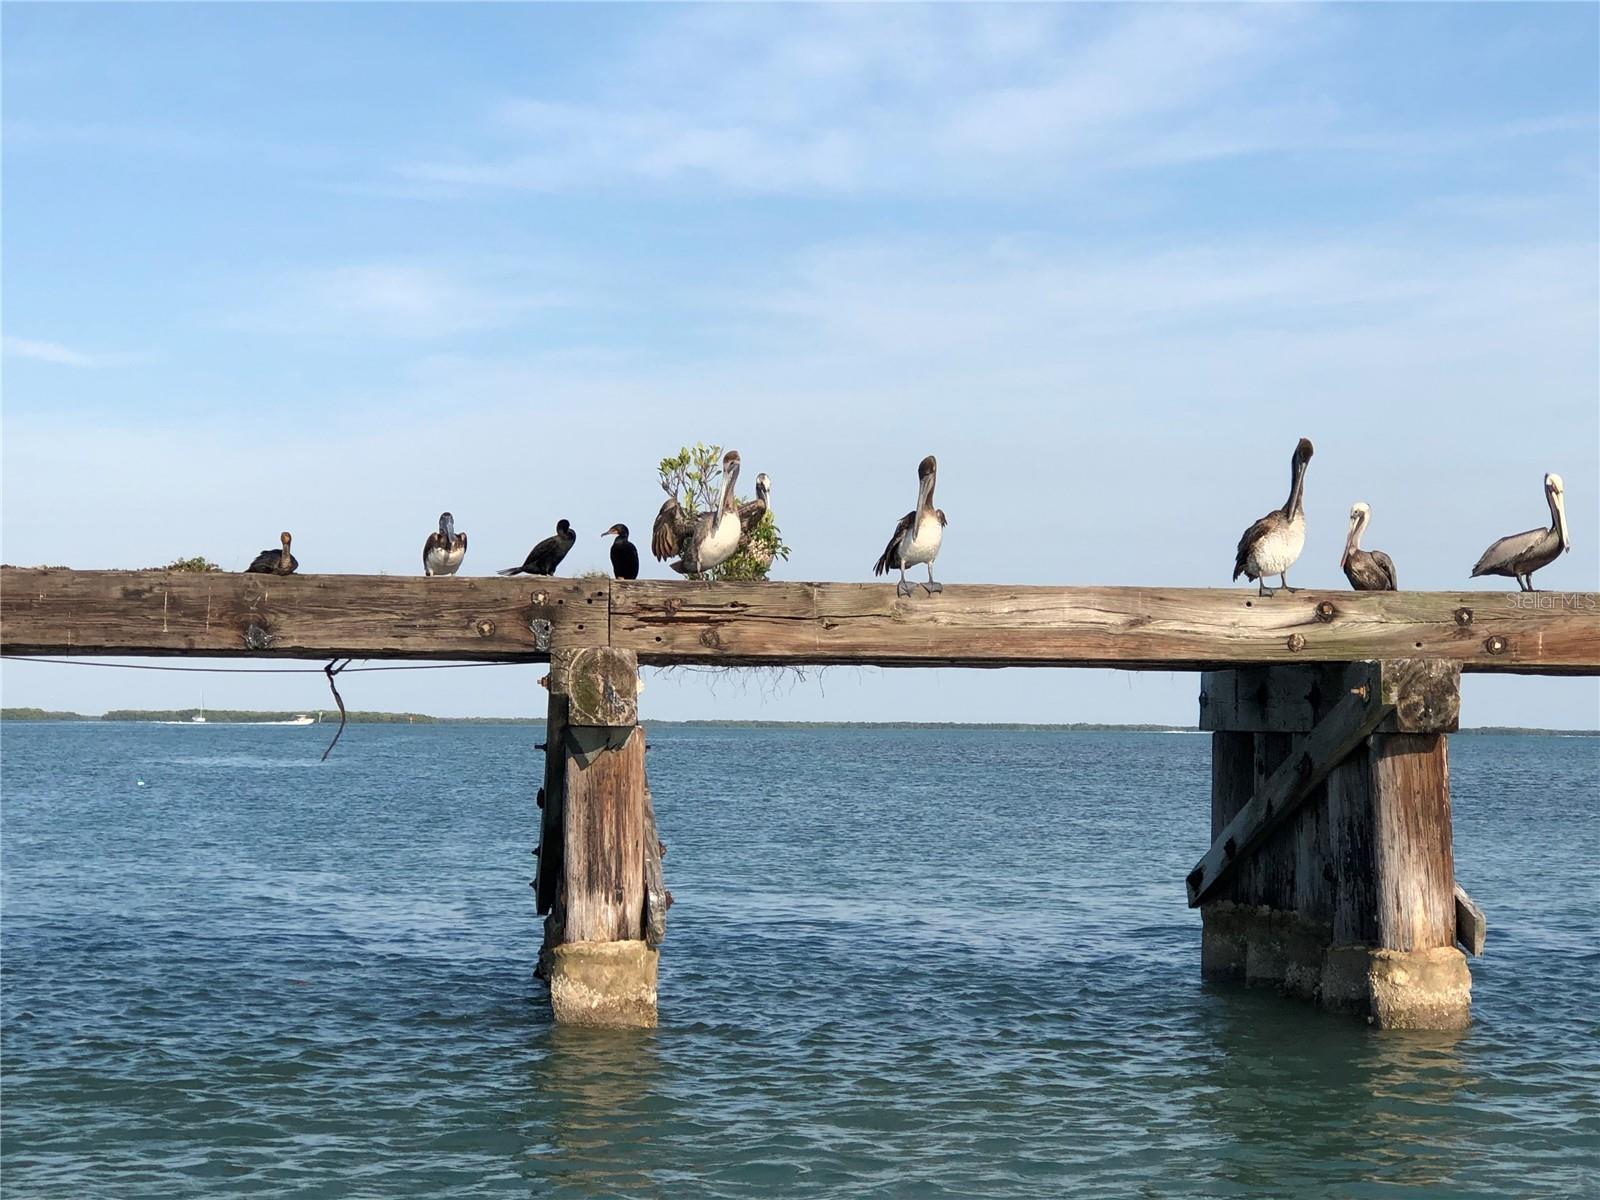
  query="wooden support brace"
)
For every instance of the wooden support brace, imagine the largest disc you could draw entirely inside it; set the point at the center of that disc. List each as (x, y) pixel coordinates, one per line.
(1471, 925)
(1339, 733)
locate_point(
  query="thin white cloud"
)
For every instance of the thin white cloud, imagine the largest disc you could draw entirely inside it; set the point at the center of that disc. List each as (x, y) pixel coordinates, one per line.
(60, 355)
(389, 299)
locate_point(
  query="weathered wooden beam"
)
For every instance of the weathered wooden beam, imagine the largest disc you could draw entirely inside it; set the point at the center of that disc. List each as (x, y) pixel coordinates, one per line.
(221, 614)
(1426, 694)
(758, 624)
(605, 855)
(1344, 729)
(1471, 925)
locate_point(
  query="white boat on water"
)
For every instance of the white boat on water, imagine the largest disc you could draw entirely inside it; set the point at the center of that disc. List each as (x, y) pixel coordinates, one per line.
(199, 719)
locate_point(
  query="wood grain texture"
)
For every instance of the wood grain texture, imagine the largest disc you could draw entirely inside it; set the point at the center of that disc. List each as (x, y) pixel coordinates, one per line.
(1158, 628)
(1351, 853)
(755, 624)
(1278, 798)
(297, 616)
(1412, 851)
(605, 827)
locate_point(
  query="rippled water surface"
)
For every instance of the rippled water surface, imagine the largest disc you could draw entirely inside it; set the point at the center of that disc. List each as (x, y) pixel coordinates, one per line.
(900, 964)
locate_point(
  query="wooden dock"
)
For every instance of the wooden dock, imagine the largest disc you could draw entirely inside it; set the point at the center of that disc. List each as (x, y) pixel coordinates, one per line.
(1329, 873)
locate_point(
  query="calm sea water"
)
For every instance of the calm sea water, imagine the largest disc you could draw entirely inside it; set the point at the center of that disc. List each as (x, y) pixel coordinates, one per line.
(900, 964)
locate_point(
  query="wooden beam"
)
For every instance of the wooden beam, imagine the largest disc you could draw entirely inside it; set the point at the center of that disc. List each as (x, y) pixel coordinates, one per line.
(221, 614)
(604, 873)
(1344, 729)
(758, 624)
(55, 612)
(1471, 925)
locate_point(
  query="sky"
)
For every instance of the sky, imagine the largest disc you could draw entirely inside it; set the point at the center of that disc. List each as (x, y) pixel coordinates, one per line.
(333, 269)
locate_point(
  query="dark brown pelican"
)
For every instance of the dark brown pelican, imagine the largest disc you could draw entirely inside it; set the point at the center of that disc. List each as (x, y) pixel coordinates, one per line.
(275, 562)
(1270, 546)
(443, 551)
(705, 541)
(916, 539)
(624, 554)
(544, 558)
(751, 511)
(1367, 570)
(1520, 555)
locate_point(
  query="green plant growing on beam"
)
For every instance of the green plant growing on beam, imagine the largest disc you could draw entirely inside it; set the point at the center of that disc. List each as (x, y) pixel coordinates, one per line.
(199, 563)
(694, 477)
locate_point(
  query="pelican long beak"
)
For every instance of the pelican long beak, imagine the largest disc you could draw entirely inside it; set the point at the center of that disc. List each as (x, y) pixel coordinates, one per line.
(447, 528)
(1560, 505)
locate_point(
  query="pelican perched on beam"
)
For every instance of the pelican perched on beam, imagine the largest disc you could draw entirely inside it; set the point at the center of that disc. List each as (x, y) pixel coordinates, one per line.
(1520, 555)
(706, 541)
(752, 511)
(544, 558)
(1270, 546)
(275, 562)
(1367, 570)
(917, 537)
(443, 551)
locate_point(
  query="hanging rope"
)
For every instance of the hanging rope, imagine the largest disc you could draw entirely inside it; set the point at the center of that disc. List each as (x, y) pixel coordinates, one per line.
(332, 669)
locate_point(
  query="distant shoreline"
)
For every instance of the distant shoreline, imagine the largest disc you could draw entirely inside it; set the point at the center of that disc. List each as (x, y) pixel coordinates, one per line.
(241, 717)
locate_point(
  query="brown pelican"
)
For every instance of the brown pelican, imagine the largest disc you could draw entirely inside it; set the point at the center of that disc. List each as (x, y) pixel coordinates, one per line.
(544, 558)
(1270, 546)
(275, 562)
(705, 541)
(917, 537)
(443, 551)
(1520, 555)
(1367, 570)
(624, 554)
(752, 511)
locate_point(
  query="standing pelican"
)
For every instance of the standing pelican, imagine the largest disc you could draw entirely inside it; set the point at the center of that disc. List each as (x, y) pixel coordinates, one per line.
(916, 539)
(702, 542)
(752, 511)
(624, 554)
(1520, 555)
(443, 551)
(1367, 570)
(1270, 546)
(544, 558)
(275, 562)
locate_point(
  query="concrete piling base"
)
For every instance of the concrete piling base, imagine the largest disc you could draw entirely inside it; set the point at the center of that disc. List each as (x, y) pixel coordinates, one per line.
(1392, 989)
(604, 984)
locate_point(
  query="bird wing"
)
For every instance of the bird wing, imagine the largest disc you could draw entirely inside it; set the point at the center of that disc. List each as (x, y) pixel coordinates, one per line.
(889, 560)
(1251, 536)
(534, 564)
(750, 514)
(624, 560)
(939, 512)
(672, 527)
(1504, 553)
(1386, 564)
(265, 563)
(434, 543)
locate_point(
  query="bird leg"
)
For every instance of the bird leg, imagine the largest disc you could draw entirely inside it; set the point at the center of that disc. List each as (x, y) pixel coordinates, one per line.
(1283, 578)
(933, 585)
(904, 588)
(1261, 587)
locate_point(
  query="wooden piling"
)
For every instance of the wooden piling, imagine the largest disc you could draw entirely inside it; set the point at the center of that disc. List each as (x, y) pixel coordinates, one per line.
(1330, 873)
(600, 968)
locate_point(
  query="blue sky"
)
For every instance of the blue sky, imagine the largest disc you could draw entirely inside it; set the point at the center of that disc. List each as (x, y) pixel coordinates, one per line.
(335, 268)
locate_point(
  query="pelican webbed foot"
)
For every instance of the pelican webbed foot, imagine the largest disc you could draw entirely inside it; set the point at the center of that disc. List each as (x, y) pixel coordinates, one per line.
(932, 586)
(904, 588)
